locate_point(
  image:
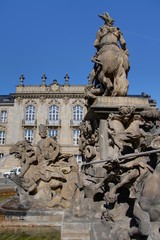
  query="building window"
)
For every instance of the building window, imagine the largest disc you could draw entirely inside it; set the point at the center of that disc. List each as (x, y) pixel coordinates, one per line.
(3, 116)
(1, 155)
(2, 137)
(53, 133)
(53, 114)
(30, 114)
(76, 133)
(77, 113)
(29, 135)
(78, 158)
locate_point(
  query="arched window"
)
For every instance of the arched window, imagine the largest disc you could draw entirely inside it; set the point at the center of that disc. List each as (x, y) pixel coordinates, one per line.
(53, 132)
(3, 116)
(29, 134)
(30, 114)
(78, 158)
(53, 114)
(76, 133)
(2, 137)
(77, 113)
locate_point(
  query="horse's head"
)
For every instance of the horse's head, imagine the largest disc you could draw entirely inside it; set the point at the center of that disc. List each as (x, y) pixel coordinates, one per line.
(22, 148)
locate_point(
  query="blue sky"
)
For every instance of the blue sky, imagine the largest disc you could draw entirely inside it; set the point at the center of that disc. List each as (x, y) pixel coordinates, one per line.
(56, 37)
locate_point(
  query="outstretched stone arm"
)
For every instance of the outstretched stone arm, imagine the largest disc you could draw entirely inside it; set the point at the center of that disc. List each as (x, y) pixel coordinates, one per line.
(122, 42)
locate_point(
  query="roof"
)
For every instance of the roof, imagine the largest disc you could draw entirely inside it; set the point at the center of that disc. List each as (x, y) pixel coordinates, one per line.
(5, 99)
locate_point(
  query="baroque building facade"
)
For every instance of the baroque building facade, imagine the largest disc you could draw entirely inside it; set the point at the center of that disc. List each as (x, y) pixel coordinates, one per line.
(60, 107)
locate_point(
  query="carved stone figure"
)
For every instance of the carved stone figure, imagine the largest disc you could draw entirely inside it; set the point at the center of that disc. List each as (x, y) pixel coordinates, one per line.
(88, 140)
(122, 188)
(111, 60)
(48, 178)
(24, 151)
(47, 149)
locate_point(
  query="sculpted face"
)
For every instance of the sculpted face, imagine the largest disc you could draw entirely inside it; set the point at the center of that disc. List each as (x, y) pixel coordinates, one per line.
(18, 154)
(42, 131)
(17, 150)
(20, 147)
(30, 151)
(43, 134)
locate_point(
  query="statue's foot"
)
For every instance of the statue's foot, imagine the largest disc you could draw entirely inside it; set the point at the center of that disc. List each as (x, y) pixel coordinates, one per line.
(97, 186)
(105, 93)
(123, 235)
(56, 201)
(66, 204)
(91, 95)
(31, 187)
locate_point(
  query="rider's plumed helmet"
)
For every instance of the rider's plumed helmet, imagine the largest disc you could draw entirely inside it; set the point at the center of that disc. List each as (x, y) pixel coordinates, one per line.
(106, 17)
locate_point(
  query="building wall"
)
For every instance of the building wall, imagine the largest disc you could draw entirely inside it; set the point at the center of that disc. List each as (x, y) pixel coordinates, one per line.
(42, 97)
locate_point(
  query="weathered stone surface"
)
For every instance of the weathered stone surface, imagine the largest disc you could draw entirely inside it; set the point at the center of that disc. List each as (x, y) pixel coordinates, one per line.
(132, 176)
(80, 231)
(48, 178)
(121, 101)
(103, 140)
(111, 64)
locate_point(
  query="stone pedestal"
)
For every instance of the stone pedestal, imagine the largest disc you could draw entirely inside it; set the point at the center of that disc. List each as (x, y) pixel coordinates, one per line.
(103, 106)
(71, 228)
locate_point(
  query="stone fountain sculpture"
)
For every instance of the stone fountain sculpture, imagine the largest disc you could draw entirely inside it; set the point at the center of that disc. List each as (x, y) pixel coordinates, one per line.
(48, 178)
(120, 144)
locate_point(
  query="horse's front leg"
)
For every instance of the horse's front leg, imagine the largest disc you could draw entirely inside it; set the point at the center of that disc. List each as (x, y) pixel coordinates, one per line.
(121, 84)
(143, 219)
(92, 76)
(106, 83)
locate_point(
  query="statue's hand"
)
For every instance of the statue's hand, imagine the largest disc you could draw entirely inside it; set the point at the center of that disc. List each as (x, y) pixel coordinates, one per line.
(127, 52)
(110, 197)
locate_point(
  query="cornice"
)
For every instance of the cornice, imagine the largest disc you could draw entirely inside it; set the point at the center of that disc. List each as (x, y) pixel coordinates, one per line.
(6, 104)
(47, 95)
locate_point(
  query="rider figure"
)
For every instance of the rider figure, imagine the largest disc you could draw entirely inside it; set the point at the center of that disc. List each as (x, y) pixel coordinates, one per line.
(112, 35)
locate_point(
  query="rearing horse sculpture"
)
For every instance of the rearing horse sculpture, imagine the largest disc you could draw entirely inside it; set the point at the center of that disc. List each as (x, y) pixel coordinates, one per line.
(111, 60)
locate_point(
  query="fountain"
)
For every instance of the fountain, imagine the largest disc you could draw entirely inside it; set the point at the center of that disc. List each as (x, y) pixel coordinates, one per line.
(29, 233)
(116, 194)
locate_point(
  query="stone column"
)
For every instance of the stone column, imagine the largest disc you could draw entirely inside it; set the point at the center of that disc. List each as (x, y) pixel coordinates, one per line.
(103, 139)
